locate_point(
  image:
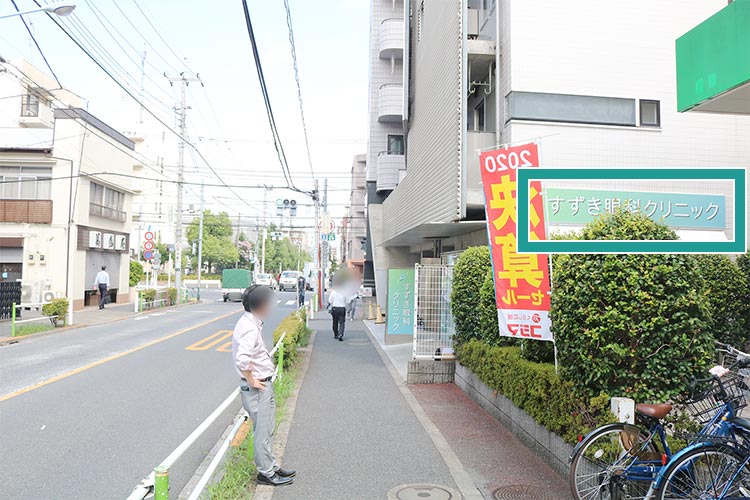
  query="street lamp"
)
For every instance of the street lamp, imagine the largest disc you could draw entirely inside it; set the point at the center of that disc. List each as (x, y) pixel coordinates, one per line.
(61, 9)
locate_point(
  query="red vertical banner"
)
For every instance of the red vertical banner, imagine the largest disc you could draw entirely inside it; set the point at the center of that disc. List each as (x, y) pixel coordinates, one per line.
(521, 280)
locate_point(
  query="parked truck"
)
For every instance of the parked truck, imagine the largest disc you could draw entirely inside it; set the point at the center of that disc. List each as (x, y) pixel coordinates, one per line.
(234, 282)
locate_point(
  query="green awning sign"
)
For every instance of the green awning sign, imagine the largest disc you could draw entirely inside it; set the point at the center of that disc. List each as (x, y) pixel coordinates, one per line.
(678, 210)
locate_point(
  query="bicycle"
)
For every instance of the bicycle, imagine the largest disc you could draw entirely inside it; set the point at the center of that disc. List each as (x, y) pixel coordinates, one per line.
(621, 461)
(714, 467)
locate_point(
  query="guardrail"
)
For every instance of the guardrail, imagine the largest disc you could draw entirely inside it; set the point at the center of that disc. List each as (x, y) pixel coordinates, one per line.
(30, 305)
(158, 481)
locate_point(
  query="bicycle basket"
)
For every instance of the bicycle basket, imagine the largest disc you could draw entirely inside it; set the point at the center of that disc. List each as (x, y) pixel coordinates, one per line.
(729, 358)
(709, 398)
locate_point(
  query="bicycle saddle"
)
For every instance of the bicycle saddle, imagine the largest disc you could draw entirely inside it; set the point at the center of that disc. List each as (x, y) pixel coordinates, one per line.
(654, 411)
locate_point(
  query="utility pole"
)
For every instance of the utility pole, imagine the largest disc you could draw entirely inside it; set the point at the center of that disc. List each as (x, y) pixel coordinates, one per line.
(184, 82)
(263, 254)
(318, 253)
(200, 243)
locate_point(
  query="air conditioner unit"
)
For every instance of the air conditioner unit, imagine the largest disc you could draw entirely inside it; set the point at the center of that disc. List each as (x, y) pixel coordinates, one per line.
(48, 296)
(26, 292)
(472, 23)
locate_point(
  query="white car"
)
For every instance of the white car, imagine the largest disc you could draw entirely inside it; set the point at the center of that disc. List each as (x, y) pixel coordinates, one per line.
(266, 280)
(288, 280)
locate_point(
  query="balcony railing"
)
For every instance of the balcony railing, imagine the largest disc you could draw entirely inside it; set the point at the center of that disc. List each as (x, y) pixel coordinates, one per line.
(107, 212)
(390, 102)
(392, 38)
(389, 166)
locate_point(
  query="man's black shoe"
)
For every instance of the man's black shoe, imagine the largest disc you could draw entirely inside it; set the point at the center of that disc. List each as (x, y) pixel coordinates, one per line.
(275, 480)
(286, 473)
(341, 338)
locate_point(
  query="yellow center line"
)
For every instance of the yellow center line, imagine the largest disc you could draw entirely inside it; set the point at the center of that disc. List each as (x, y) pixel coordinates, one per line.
(110, 358)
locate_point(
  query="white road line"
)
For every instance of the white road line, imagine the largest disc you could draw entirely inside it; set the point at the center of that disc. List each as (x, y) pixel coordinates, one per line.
(158, 314)
(291, 302)
(140, 318)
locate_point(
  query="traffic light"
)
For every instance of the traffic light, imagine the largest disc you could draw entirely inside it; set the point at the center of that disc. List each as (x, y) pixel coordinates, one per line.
(293, 208)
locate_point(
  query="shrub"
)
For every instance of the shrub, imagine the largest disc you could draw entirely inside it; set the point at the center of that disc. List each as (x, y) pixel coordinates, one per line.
(488, 328)
(535, 388)
(297, 335)
(136, 272)
(149, 295)
(630, 325)
(468, 278)
(728, 296)
(172, 294)
(59, 308)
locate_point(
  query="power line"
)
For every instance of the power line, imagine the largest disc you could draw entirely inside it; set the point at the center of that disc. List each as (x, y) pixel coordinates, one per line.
(132, 96)
(148, 20)
(267, 101)
(299, 87)
(33, 38)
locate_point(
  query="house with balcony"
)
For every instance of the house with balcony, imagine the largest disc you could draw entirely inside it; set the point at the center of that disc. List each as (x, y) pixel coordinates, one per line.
(477, 75)
(61, 216)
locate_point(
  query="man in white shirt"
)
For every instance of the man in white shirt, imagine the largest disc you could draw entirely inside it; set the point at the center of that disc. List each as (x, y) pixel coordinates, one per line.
(337, 301)
(253, 363)
(101, 282)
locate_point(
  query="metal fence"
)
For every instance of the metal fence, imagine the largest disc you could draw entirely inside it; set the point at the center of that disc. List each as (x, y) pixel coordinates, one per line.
(433, 320)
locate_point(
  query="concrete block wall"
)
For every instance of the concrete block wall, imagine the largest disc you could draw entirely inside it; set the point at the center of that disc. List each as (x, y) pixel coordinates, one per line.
(430, 371)
(549, 446)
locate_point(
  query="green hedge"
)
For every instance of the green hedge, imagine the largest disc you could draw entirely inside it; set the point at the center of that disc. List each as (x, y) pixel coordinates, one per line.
(630, 325)
(297, 335)
(468, 277)
(728, 296)
(136, 273)
(535, 388)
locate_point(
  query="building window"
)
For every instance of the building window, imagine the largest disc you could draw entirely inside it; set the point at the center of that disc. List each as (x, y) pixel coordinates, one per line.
(650, 113)
(30, 104)
(395, 144)
(106, 202)
(25, 183)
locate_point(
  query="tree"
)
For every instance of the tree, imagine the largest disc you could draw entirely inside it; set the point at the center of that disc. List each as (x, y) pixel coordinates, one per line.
(136, 273)
(219, 251)
(283, 254)
(630, 325)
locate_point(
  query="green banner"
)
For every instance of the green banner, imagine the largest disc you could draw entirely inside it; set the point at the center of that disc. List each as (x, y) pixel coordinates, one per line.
(580, 206)
(400, 310)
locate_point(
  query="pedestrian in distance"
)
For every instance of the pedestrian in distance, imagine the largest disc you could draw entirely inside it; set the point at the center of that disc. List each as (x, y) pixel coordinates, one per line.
(254, 364)
(353, 291)
(301, 290)
(101, 283)
(337, 302)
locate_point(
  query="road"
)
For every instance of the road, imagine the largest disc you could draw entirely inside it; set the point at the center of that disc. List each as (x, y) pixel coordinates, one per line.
(87, 413)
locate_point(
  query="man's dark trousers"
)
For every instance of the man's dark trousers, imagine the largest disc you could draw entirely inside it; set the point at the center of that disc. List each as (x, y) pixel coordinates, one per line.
(102, 295)
(339, 321)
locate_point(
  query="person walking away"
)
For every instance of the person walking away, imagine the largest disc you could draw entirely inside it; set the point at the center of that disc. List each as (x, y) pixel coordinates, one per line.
(353, 291)
(337, 301)
(101, 282)
(301, 290)
(254, 364)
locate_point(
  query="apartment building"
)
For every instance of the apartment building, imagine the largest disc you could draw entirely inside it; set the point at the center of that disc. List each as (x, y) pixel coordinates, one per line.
(354, 225)
(592, 83)
(61, 216)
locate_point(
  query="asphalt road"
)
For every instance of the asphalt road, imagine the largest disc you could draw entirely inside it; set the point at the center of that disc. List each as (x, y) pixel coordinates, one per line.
(87, 413)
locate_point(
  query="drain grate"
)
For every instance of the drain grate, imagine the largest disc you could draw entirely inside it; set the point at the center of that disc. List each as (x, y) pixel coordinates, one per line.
(423, 492)
(521, 491)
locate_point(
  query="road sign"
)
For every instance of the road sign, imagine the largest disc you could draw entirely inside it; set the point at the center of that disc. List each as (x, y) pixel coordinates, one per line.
(148, 255)
(148, 245)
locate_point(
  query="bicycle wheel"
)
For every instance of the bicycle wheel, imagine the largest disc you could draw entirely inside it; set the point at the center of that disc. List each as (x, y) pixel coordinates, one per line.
(598, 464)
(707, 472)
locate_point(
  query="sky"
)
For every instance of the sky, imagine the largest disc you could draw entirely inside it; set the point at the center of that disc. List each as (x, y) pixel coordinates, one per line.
(226, 119)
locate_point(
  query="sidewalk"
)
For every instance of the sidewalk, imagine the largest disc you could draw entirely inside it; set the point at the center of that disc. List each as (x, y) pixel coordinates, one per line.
(91, 315)
(353, 435)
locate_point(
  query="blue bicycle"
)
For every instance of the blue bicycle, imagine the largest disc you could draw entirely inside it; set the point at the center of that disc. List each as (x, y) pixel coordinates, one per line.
(621, 461)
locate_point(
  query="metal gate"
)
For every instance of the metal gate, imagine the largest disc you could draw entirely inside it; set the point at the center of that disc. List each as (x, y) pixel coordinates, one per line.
(433, 320)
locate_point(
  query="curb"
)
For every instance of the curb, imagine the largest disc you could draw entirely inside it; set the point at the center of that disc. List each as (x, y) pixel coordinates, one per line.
(15, 340)
(461, 477)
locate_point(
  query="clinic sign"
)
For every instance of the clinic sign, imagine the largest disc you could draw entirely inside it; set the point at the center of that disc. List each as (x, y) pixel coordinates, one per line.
(521, 280)
(400, 309)
(578, 207)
